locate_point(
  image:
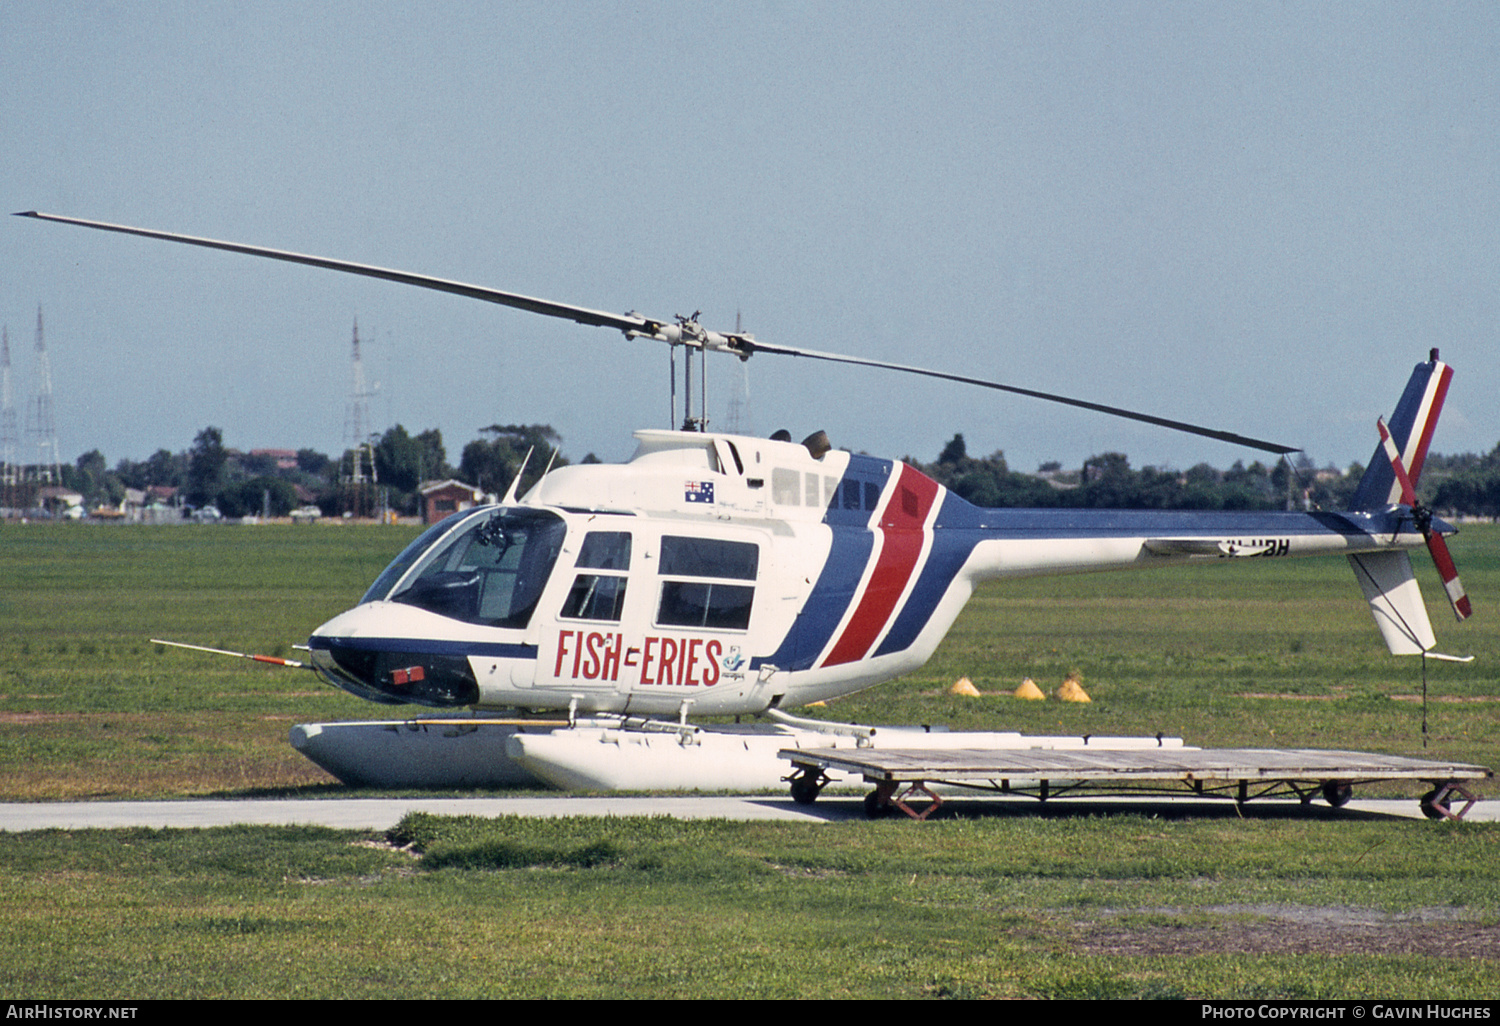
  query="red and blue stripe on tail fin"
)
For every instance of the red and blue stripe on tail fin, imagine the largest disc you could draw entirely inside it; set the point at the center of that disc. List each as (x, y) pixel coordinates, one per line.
(1411, 428)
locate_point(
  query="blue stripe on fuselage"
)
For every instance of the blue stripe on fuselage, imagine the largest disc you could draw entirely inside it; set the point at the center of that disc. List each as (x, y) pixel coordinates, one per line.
(950, 550)
(960, 526)
(825, 607)
(848, 515)
(425, 646)
(1042, 524)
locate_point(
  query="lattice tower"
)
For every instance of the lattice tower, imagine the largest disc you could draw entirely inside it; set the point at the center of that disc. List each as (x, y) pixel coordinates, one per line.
(10, 436)
(739, 399)
(42, 425)
(356, 419)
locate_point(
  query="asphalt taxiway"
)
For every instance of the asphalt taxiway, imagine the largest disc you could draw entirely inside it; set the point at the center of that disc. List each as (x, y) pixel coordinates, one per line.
(384, 813)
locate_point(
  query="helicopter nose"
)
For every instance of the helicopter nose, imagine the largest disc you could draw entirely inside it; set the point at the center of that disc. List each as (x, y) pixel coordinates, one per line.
(359, 652)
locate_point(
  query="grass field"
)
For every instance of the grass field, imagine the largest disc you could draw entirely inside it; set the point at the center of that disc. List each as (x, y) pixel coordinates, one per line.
(1038, 904)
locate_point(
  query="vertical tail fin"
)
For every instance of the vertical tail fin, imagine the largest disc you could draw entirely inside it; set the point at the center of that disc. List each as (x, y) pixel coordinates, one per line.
(1411, 427)
(1386, 577)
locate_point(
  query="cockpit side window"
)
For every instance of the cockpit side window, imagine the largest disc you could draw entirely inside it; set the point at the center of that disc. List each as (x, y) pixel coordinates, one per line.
(491, 572)
(595, 597)
(605, 550)
(600, 596)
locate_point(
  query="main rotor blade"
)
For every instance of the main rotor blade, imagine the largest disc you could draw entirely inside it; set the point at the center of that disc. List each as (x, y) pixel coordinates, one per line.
(634, 324)
(1114, 411)
(546, 307)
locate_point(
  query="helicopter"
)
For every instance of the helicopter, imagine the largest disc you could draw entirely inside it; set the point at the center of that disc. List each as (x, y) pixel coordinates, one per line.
(716, 574)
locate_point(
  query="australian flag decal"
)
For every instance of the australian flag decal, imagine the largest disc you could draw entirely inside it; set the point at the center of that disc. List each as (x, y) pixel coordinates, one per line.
(699, 491)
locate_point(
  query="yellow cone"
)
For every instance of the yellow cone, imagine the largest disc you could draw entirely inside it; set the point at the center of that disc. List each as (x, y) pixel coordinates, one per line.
(1072, 689)
(1029, 691)
(964, 686)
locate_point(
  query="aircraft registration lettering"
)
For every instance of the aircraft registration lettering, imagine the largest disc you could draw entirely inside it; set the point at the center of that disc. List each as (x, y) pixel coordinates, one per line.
(1246, 547)
(662, 659)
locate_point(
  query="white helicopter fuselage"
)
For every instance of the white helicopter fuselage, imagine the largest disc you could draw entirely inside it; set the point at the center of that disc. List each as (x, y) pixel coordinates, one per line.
(717, 574)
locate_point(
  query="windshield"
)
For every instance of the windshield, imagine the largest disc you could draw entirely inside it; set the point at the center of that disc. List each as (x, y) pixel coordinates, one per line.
(490, 570)
(409, 555)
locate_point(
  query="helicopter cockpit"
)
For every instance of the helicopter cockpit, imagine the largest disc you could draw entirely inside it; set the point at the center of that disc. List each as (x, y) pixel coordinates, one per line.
(485, 566)
(489, 568)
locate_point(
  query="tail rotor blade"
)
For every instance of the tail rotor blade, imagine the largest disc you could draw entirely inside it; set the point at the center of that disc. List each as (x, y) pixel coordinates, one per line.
(1457, 597)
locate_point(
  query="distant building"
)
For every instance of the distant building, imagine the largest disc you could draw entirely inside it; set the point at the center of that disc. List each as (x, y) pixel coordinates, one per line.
(58, 500)
(444, 498)
(161, 505)
(286, 459)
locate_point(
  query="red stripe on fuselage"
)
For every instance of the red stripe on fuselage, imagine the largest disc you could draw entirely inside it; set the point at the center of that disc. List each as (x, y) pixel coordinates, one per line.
(901, 528)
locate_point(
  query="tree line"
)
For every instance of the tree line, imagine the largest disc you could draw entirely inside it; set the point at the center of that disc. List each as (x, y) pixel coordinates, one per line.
(239, 483)
(1468, 484)
(210, 473)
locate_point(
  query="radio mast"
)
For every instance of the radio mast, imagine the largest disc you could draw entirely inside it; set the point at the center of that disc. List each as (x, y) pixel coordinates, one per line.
(42, 424)
(10, 441)
(359, 472)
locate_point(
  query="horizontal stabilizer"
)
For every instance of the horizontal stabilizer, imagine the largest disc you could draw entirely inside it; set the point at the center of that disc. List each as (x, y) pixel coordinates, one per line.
(1450, 658)
(1395, 601)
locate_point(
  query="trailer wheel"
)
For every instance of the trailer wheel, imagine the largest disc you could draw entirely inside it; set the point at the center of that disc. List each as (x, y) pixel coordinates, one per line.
(876, 806)
(1337, 793)
(806, 787)
(1431, 807)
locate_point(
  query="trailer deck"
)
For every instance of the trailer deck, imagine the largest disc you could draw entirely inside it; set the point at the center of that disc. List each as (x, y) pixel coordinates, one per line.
(902, 776)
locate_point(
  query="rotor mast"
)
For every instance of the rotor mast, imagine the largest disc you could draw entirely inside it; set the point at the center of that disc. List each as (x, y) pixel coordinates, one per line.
(689, 422)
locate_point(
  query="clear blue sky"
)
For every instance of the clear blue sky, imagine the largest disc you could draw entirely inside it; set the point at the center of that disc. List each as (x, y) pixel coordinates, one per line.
(1252, 215)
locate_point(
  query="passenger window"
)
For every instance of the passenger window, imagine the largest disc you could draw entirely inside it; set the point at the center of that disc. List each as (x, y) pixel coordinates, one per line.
(704, 604)
(707, 603)
(786, 486)
(708, 557)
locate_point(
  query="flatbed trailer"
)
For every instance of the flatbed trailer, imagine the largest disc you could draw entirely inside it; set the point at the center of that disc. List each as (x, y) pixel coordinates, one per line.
(902, 776)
